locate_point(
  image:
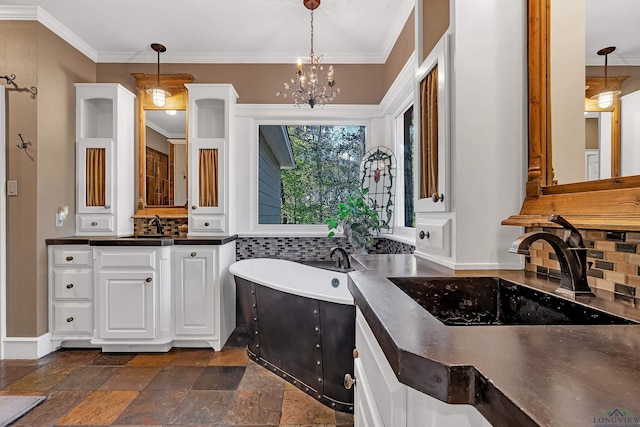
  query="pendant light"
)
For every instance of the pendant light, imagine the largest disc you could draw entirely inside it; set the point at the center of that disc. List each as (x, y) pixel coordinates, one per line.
(606, 96)
(158, 95)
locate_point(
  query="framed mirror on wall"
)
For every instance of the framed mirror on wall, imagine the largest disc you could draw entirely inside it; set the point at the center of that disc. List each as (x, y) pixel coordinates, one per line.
(606, 202)
(162, 146)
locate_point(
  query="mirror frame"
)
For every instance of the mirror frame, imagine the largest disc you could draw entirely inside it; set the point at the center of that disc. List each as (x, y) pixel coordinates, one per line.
(604, 204)
(175, 84)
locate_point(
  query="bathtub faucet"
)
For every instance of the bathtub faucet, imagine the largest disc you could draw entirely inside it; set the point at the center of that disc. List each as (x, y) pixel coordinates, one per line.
(571, 253)
(343, 258)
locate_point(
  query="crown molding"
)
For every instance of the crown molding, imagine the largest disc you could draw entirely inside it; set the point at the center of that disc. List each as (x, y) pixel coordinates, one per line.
(231, 58)
(396, 28)
(35, 13)
(401, 87)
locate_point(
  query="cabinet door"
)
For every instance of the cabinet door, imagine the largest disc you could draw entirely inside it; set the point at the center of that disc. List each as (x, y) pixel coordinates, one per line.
(194, 291)
(95, 176)
(431, 110)
(207, 176)
(127, 304)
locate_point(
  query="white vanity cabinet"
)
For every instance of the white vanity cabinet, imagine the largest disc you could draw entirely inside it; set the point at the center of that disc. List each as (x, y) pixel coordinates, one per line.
(133, 288)
(104, 159)
(382, 401)
(204, 298)
(211, 130)
(71, 294)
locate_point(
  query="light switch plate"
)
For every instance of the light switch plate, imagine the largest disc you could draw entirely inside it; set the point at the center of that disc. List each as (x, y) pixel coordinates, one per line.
(12, 188)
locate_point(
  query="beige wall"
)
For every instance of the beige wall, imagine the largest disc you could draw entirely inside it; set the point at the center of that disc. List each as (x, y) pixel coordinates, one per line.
(42, 60)
(435, 21)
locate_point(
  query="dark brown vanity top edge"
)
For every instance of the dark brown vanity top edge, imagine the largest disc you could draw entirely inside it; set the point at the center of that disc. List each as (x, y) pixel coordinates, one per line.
(140, 240)
(554, 375)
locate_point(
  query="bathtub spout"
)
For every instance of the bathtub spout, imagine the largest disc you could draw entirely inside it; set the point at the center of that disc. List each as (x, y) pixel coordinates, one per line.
(343, 258)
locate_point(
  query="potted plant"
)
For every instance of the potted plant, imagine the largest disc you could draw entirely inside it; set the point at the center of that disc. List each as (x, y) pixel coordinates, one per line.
(358, 220)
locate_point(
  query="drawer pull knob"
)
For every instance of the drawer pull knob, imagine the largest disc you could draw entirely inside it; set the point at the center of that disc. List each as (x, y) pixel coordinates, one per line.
(70, 285)
(194, 207)
(107, 206)
(206, 224)
(193, 254)
(422, 234)
(93, 224)
(437, 198)
(69, 258)
(349, 381)
(355, 353)
(148, 279)
(69, 319)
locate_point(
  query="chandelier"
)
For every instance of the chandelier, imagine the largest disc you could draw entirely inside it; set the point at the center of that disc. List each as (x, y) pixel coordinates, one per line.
(311, 85)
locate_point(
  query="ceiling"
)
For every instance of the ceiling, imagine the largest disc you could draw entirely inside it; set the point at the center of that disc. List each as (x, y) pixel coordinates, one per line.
(220, 31)
(613, 23)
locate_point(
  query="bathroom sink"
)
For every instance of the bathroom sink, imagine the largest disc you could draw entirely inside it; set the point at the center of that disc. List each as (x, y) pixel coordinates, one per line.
(473, 301)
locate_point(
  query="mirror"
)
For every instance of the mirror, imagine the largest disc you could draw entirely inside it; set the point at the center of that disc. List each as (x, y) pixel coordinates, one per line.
(578, 29)
(166, 157)
(162, 145)
(603, 204)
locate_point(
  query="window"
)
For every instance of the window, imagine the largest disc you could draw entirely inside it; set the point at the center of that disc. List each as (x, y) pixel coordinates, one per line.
(306, 170)
(405, 152)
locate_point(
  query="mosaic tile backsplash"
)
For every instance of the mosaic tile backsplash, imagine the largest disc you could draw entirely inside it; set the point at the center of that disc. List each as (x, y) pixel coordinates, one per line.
(308, 248)
(171, 227)
(614, 257)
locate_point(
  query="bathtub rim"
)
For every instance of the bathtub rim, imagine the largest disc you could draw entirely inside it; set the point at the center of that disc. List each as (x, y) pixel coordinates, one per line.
(236, 270)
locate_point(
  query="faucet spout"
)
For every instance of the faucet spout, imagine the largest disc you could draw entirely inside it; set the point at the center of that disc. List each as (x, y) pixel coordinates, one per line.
(158, 223)
(343, 258)
(571, 253)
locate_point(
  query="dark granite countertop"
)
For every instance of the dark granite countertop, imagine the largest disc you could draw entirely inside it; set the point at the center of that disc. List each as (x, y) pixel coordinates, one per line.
(557, 375)
(140, 240)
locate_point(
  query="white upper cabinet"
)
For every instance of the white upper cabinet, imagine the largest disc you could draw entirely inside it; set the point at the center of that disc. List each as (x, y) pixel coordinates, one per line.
(211, 132)
(104, 156)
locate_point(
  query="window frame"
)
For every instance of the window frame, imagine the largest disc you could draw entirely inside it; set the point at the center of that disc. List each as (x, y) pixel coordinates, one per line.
(343, 117)
(400, 231)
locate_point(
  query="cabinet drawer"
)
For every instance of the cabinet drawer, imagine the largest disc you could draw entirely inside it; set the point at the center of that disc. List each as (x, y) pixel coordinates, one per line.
(123, 257)
(211, 223)
(72, 257)
(72, 318)
(433, 235)
(95, 222)
(73, 284)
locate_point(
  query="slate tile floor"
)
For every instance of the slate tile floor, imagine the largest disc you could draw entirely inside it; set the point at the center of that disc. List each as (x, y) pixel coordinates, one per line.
(194, 387)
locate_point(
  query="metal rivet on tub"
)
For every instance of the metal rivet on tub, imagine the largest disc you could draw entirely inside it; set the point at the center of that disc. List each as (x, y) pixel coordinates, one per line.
(316, 328)
(253, 292)
(254, 306)
(333, 404)
(318, 363)
(306, 389)
(319, 397)
(257, 345)
(255, 319)
(315, 311)
(317, 345)
(351, 408)
(256, 332)
(319, 380)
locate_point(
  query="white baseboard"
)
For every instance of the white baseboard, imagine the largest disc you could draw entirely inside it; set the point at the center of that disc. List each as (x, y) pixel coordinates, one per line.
(27, 347)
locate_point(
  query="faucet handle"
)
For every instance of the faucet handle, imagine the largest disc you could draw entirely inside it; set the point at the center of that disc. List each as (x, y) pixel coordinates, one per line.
(571, 234)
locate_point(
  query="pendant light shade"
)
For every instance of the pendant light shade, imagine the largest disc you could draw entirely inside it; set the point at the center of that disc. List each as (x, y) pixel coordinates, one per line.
(606, 96)
(158, 95)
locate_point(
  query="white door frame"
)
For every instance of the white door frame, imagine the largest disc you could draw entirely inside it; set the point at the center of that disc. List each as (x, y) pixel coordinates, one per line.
(3, 221)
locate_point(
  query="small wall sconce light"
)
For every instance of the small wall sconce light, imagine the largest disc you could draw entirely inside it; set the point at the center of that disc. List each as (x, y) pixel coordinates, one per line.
(158, 95)
(606, 96)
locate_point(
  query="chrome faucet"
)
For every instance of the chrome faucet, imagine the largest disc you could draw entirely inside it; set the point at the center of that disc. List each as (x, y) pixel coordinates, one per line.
(343, 258)
(158, 223)
(571, 252)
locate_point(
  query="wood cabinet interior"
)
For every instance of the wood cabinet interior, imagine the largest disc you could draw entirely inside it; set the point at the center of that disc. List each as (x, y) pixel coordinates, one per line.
(603, 204)
(174, 84)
